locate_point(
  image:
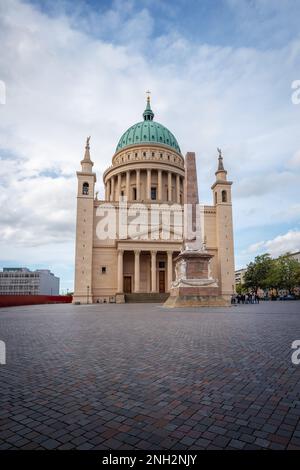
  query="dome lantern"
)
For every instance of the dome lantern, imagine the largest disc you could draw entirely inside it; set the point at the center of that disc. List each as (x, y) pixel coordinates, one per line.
(148, 114)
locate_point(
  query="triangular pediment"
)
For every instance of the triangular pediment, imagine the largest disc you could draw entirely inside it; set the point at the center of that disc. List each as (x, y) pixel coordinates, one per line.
(159, 232)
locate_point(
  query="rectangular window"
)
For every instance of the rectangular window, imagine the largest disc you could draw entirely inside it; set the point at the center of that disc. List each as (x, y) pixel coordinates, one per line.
(161, 264)
(153, 194)
(103, 270)
(134, 194)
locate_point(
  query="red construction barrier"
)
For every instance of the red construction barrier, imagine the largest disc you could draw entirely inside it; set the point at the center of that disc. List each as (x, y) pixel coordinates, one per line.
(15, 300)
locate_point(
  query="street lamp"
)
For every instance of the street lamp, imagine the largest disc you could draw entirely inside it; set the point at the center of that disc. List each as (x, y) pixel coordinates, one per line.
(87, 299)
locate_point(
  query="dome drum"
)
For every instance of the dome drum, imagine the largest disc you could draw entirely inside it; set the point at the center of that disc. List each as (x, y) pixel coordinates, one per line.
(149, 153)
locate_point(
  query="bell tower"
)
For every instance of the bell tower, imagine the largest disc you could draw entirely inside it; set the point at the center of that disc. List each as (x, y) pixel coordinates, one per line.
(84, 229)
(224, 228)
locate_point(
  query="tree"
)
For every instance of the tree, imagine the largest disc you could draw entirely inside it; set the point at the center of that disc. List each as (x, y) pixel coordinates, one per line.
(288, 272)
(240, 288)
(272, 280)
(257, 272)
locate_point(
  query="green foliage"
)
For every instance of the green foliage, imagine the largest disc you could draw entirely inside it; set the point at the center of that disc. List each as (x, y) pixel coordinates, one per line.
(288, 272)
(240, 288)
(267, 273)
(257, 272)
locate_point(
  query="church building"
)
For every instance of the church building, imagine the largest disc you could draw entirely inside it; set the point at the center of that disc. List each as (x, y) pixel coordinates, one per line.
(145, 187)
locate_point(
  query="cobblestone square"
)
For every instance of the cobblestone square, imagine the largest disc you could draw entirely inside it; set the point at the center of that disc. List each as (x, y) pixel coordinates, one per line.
(138, 376)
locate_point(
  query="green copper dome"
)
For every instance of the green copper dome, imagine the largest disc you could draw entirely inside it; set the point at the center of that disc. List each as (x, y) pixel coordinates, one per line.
(148, 131)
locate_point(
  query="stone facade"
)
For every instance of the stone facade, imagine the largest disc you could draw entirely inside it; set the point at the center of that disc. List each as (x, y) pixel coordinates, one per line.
(145, 183)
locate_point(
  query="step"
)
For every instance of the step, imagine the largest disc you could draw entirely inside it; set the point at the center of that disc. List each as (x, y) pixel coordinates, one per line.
(145, 297)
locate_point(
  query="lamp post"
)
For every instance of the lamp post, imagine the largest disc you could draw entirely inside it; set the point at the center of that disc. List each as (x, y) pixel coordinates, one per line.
(87, 299)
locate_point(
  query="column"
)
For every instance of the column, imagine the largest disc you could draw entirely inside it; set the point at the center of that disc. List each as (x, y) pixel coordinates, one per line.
(119, 186)
(138, 184)
(170, 269)
(120, 271)
(178, 188)
(153, 271)
(112, 194)
(107, 191)
(136, 270)
(169, 186)
(127, 184)
(159, 184)
(149, 184)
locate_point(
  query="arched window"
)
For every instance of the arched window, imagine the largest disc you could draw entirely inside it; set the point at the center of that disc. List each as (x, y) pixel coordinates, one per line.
(224, 196)
(85, 189)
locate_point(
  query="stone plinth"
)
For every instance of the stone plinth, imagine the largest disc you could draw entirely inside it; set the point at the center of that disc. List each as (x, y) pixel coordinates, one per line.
(194, 285)
(120, 298)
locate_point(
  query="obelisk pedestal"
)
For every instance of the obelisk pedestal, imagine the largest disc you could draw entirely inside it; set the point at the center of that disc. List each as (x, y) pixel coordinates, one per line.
(193, 286)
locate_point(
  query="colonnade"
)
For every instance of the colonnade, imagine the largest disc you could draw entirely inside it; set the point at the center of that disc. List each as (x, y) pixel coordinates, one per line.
(114, 184)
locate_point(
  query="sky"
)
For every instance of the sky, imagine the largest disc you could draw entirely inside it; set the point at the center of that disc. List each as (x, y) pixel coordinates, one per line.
(220, 74)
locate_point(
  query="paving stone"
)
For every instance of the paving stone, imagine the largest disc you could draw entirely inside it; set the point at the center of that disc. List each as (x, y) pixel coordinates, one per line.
(67, 446)
(247, 438)
(236, 444)
(221, 441)
(262, 442)
(50, 444)
(140, 377)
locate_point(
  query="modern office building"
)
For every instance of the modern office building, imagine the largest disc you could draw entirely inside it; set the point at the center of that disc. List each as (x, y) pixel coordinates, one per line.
(239, 276)
(295, 255)
(22, 281)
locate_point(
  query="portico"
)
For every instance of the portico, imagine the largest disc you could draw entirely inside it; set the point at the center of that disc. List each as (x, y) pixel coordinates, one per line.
(145, 269)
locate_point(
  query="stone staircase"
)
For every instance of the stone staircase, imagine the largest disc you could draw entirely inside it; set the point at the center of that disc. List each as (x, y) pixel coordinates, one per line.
(142, 297)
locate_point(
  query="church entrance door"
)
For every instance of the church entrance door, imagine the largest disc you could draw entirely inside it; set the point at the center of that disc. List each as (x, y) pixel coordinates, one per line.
(161, 284)
(127, 284)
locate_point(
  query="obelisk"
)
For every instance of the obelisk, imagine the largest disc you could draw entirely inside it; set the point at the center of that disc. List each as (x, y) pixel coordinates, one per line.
(193, 286)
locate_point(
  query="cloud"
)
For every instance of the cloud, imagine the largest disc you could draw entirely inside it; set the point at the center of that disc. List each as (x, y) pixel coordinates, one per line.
(288, 242)
(260, 184)
(295, 160)
(270, 19)
(42, 214)
(75, 74)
